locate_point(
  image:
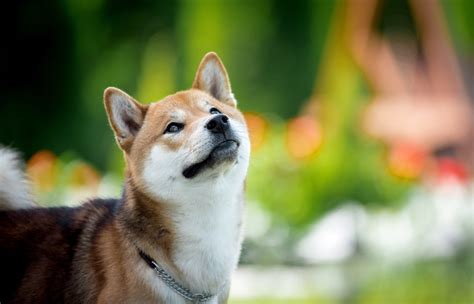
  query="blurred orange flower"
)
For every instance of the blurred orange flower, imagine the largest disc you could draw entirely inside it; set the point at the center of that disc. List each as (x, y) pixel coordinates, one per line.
(42, 170)
(258, 127)
(84, 175)
(303, 136)
(407, 160)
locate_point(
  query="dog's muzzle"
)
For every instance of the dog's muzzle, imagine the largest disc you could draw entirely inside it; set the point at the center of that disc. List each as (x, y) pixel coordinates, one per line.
(225, 146)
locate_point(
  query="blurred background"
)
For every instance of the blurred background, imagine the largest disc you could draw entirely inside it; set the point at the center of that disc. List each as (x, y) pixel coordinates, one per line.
(360, 187)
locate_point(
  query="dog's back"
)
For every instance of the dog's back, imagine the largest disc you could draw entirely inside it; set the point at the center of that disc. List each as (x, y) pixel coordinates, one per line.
(38, 248)
(33, 241)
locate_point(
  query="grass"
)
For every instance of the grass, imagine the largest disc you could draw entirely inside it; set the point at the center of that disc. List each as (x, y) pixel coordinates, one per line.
(279, 301)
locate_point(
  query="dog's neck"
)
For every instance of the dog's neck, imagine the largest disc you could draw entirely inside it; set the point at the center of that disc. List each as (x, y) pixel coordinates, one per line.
(197, 241)
(145, 221)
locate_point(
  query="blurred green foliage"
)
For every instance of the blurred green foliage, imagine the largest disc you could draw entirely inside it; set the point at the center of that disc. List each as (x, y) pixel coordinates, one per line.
(431, 282)
(280, 301)
(426, 283)
(61, 55)
(460, 15)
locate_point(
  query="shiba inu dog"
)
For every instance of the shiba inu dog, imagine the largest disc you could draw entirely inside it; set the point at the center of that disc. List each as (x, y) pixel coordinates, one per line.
(175, 234)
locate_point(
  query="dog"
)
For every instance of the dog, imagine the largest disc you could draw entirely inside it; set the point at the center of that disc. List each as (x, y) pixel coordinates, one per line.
(174, 236)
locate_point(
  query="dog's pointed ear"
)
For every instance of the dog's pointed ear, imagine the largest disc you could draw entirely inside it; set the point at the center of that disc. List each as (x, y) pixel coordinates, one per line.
(211, 77)
(126, 116)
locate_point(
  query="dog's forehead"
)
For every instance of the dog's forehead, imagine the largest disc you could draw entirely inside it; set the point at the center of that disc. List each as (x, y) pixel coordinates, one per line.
(187, 106)
(181, 104)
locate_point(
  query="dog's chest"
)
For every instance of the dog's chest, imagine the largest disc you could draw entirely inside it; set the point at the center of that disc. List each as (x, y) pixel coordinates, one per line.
(208, 243)
(206, 249)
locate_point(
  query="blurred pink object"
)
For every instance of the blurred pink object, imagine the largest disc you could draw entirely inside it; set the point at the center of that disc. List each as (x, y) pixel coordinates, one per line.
(419, 97)
(449, 169)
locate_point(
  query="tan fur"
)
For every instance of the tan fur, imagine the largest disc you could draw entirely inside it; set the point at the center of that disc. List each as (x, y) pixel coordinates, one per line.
(123, 140)
(200, 83)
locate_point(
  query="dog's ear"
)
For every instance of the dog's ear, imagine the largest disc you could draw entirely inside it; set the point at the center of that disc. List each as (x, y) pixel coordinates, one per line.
(211, 77)
(125, 114)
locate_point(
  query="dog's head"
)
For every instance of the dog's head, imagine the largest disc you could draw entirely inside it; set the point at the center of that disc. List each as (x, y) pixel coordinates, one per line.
(194, 138)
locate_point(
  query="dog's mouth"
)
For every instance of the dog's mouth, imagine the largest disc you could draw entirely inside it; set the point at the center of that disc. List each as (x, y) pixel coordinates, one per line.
(222, 152)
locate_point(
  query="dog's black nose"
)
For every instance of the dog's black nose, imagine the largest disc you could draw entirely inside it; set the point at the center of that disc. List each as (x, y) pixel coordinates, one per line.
(218, 124)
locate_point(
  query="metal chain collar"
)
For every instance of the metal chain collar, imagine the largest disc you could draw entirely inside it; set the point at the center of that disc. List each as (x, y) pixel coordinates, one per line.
(172, 283)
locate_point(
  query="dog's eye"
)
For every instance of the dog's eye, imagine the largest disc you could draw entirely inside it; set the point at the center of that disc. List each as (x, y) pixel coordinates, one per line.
(174, 127)
(214, 111)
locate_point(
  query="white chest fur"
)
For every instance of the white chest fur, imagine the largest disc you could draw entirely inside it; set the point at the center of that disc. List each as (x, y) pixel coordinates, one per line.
(207, 222)
(208, 241)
